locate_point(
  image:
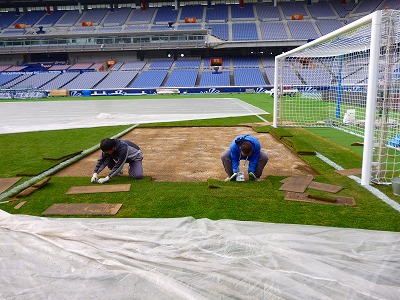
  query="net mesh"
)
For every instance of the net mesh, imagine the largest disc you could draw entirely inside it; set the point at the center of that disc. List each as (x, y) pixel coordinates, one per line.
(326, 85)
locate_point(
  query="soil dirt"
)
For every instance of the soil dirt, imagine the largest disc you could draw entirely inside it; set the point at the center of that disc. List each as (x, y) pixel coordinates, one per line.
(184, 154)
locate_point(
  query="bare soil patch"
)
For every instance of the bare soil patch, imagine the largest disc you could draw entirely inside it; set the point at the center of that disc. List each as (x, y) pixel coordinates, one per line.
(181, 154)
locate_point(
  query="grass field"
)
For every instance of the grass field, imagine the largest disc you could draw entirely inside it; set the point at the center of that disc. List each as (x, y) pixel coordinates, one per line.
(308, 109)
(261, 201)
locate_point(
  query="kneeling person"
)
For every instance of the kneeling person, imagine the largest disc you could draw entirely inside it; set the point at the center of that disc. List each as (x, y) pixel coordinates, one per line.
(115, 153)
(247, 148)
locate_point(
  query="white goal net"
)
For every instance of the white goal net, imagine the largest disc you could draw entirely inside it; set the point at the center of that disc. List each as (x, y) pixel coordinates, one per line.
(348, 80)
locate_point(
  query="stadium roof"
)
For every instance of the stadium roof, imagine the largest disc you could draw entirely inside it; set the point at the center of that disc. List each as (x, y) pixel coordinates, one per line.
(27, 3)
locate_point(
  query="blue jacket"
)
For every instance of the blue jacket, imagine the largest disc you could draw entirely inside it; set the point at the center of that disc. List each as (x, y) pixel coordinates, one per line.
(236, 153)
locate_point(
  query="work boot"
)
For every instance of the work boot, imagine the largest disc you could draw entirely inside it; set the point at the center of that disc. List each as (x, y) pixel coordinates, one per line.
(233, 177)
(252, 177)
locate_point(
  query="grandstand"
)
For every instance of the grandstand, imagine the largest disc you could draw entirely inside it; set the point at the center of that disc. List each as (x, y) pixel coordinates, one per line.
(179, 41)
(150, 249)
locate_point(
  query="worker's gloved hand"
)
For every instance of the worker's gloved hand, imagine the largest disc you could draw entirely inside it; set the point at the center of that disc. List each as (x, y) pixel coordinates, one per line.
(103, 180)
(233, 177)
(95, 177)
(252, 177)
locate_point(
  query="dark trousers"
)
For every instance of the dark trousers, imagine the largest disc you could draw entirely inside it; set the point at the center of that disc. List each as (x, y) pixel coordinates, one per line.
(227, 163)
(135, 167)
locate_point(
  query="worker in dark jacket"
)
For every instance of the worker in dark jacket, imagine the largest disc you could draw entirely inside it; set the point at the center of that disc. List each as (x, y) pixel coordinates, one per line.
(115, 153)
(247, 148)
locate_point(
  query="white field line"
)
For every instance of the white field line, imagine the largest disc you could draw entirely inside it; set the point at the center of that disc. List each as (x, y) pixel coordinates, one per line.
(370, 188)
(250, 111)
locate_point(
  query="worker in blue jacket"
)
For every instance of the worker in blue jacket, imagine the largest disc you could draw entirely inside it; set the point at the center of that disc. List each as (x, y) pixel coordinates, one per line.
(247, 148)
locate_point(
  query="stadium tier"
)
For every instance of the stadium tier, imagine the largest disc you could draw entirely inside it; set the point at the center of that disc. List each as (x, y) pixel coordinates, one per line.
(149, 78)
(234, 28)
(182, 78)
(117, 18)
(229, 22)
(192, 11)
(117, 79)
(241, 71)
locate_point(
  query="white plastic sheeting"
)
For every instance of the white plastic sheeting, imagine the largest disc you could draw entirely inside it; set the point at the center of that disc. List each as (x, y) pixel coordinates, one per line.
(184, 258)
(51, 115)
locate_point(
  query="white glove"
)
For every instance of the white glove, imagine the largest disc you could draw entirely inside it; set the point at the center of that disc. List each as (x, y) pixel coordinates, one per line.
(105, 179)
(94, 178)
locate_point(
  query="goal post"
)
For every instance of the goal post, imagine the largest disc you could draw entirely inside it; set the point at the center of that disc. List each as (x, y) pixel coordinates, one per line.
(348, 80)
(366, 175)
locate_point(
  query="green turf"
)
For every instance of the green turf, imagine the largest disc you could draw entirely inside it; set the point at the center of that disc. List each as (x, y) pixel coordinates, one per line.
(298, 145)
(24, 153)
(255, 201)
(262, 129)
(259, 201)
(280, 132)
(340, 138)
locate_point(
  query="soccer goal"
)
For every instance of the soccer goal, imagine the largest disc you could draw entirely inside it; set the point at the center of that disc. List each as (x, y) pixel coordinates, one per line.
(348, 80)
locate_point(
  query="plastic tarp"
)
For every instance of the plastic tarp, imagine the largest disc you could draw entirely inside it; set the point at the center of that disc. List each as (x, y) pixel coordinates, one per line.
(52, 115)
(185, 258)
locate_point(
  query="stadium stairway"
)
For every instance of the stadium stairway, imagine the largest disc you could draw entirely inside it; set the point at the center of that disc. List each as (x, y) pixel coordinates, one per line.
(101, 80)
(153, 18)
(258, 27)
(260, 66)
(284, 21)
(300, 77)
(146, 66)
(316, 28)
(69, 81)
(168, 74)
(178, 17)
(231, 78)
(200, 73)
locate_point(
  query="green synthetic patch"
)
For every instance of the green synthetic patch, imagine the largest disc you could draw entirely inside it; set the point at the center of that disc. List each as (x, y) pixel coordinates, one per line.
(298, 146)
(339, 137)
(65, 157)
(52, 163)
(279, 132)
(262, 129)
